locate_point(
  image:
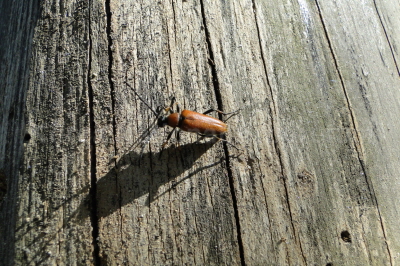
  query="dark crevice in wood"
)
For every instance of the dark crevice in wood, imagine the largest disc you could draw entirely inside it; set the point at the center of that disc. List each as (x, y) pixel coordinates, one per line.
(93, 160)
(169, 52)
(112, 93)
(234, 201)
(110, 71)
(387, 37)
(273, 112)
(218, 96)
(356, 136)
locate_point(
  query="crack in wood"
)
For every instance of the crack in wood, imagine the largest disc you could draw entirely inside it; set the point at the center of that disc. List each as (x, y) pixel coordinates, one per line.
(274, 135)
(387, 38)
(112, 96)
(218, 95)
(93, 159)
(355, 132)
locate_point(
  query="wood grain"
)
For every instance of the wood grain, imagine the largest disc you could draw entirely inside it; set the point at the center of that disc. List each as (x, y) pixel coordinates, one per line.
(317, 85)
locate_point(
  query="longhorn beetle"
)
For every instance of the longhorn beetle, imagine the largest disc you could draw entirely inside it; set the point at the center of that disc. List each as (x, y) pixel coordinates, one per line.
(190, 121)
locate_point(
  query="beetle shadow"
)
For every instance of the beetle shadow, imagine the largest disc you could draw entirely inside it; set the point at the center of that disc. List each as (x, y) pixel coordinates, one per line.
(136, 175)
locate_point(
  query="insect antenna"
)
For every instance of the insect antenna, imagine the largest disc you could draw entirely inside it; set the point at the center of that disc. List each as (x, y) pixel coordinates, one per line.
(145, 136)
(148, 106)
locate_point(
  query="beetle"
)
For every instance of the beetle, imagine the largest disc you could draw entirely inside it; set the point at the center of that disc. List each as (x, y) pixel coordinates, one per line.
(190, 121)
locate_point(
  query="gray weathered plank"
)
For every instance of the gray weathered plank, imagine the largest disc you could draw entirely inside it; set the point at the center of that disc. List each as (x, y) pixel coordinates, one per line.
(53, 219)
(326, 184)
(17, 23)
(368, 66)
(176, 209)
(317, 84)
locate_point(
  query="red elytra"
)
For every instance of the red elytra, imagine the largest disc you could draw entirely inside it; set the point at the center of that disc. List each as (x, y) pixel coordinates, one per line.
(191, 121)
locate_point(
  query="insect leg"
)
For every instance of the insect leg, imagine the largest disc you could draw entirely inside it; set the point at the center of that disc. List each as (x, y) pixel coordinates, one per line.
(173, 102)
(170, 107)
(227, 142)
(220, 112)
(201, 138)
(166, 142)
(178, 136)
(169, 136)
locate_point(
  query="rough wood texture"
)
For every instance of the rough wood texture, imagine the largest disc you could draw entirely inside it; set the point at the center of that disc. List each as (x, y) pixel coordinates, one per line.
(317, 84)
(17, 23)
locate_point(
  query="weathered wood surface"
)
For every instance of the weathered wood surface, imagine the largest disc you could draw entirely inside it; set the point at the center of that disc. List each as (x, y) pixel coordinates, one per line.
(17, 23)
(318, 86)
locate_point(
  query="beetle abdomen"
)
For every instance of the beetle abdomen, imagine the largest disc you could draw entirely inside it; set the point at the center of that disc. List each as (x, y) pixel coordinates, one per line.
(204, 124)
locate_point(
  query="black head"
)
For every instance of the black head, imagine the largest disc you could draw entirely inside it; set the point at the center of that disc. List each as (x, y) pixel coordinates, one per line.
(162, 121)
